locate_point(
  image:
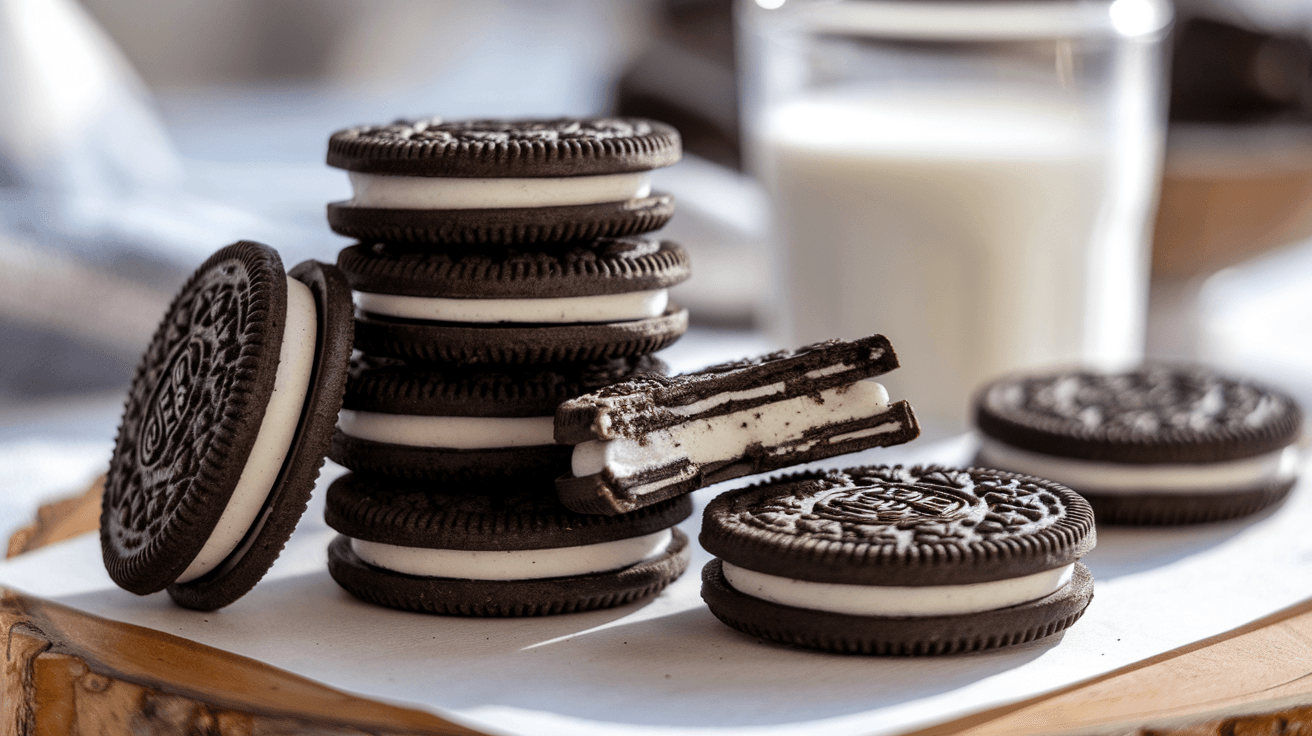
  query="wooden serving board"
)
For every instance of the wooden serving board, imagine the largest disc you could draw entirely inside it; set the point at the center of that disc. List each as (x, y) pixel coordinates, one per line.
(67, 672)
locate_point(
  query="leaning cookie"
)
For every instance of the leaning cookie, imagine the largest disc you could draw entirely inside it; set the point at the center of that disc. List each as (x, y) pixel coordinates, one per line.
(1158, 445)
(226, 425)
(516, 553)
(588, 301)
(655, 437)
(502, 181)
(462, 424)
(899, 561)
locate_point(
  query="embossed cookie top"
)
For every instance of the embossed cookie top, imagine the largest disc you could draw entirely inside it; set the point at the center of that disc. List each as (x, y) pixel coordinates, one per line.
(482, 517)
(603, 266)
(916, 526)
(391, 387)
(1156, 414)
(192, 415)
(506, 148)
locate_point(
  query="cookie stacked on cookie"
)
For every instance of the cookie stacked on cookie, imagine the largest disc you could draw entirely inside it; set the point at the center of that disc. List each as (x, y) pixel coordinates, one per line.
(501, 270)
(448, 549)
(901, 561)
(505, 182)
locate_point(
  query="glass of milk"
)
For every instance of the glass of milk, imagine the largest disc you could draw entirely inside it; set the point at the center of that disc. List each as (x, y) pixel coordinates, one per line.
(975, 180)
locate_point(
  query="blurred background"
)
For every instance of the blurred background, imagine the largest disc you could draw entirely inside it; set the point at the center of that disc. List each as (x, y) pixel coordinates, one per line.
(137, 137)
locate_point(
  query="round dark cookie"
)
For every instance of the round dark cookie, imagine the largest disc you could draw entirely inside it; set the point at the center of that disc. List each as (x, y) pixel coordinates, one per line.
(886, 635)
(392, 387)
(502, 226)
(506, 148)
(291, 492)
(540, 597)
(193, 414)
(453, 342)
(1169, 509)
(1156, 414)
(509, 518)
(532, 464)
(917, 526)
(603, 266)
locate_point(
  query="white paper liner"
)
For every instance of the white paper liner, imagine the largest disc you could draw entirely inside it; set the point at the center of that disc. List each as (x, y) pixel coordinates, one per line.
(668, 666)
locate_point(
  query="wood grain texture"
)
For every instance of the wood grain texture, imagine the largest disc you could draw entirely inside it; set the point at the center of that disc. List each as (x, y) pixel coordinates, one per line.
(60, 520)
(67, 673)
(1256, 679)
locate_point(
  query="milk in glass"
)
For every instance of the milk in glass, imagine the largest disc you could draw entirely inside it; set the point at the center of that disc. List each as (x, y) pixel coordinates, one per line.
(969, 227)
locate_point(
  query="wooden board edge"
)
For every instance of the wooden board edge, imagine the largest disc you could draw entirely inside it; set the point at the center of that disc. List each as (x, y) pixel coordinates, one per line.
(70, 673)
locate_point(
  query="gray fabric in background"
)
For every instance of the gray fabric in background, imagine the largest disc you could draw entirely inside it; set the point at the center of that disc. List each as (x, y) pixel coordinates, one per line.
(39, 362)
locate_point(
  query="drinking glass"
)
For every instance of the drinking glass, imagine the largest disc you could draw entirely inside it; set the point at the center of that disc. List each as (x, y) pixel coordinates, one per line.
(975, 180)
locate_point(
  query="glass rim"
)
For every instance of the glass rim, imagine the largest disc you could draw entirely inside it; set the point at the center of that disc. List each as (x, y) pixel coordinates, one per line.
(967, 20)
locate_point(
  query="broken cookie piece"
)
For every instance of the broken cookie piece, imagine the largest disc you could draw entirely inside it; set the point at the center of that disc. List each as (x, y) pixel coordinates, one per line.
(655, 437)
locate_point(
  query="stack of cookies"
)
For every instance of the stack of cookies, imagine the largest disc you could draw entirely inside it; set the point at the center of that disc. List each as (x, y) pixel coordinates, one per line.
(501, 270)
(517, 450)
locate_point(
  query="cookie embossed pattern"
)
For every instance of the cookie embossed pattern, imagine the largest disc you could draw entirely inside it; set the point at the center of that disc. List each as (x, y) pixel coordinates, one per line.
(194, 366)
(225, 427)
(501, 148)
(1158, 445)
(893, 560)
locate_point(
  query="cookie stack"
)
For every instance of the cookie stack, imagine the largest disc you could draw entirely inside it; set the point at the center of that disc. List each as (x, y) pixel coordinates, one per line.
(500, 271)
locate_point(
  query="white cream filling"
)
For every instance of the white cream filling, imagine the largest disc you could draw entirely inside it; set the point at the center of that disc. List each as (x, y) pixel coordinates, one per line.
(525, 564)
(1114, 478)
(454, 193)
(457, 433)
(890, 600)
(725, 437)
(277, 430)
(828, 370)
(598, 308)
(697, 407)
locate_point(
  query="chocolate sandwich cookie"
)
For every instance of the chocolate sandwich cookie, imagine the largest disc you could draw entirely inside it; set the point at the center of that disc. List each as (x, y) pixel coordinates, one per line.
(1157, 445)
(513, 553)
(226, 425)
(586, 302)
(899, 561)
(460, 424)
(502, 181)
(655, 437)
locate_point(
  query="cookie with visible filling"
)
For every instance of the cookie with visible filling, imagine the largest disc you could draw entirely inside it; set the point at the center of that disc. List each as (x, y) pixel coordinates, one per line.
(588, 301)
(463, 424)
(899, 561)
(498, 182)
(516, 552)
(226, 425)
(655, 437)
(1162, 444)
